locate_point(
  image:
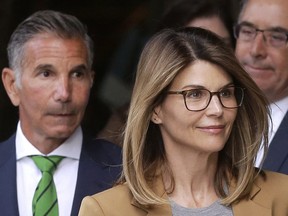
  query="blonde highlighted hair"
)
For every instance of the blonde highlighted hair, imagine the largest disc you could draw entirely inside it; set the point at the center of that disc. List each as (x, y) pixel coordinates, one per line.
(164, 56)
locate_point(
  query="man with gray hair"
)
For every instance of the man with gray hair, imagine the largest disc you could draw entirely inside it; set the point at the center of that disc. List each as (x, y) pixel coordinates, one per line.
(49, 165)
(261, 47)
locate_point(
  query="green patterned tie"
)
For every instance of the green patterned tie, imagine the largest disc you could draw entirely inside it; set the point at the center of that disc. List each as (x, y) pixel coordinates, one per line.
(45, 197)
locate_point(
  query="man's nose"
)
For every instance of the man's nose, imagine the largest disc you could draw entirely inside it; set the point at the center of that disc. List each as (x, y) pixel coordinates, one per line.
(63, 90)
(259, 46)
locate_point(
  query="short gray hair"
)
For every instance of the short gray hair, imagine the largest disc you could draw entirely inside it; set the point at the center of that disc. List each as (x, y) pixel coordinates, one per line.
(46, 21)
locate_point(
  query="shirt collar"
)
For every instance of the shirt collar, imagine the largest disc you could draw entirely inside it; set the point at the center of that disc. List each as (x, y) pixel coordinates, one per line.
(278, 111)
(279, 107)
(71, 148)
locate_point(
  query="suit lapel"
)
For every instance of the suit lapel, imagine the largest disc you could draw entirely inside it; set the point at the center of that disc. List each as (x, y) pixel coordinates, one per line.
(93, 175)
(278, 149)
(8, 186)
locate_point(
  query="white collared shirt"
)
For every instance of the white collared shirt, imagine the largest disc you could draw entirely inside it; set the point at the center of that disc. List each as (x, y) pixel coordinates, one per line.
(278, 111)
(65, 176)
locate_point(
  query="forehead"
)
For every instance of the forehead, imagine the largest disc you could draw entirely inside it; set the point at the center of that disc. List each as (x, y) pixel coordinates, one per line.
(266, 13)
(202, 73)
(49, 45)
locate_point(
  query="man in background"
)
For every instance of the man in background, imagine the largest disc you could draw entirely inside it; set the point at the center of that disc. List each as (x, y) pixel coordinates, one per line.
(261, 47)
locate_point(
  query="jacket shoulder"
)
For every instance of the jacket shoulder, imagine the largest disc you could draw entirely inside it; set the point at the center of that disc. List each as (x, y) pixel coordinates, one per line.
(273, 191)
(102, 150)
(273, 183)
(114, 201)
(7, 150)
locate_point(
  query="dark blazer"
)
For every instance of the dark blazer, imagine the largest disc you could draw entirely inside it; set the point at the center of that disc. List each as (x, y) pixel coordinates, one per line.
(268, 197)
(277, 158)
(99, 167)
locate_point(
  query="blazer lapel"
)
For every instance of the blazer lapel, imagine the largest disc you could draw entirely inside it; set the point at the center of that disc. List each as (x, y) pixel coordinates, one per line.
(278, 149)
(249, 206)
(8, 186)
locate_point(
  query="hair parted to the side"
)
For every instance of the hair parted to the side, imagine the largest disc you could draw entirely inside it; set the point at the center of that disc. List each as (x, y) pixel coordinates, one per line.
(46, 21)
(164, 56)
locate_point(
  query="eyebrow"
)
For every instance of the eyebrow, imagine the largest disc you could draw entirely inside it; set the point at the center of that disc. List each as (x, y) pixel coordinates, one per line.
(81, 67)
(203, 87)
(44, 66)
(275, 28)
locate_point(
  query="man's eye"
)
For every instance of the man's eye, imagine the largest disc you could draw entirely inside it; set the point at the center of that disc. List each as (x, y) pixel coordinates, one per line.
(279, 36)
(247, 30)
(46, 73)
(78, 74)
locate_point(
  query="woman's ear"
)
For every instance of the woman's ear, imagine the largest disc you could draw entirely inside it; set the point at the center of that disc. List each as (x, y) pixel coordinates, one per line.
(9, 82)
(156, 118)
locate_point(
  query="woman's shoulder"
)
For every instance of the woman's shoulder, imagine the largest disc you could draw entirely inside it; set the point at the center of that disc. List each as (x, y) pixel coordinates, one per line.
(268, 196)
(271, 179)
(117, 193)
(273, 185)
(114, 201)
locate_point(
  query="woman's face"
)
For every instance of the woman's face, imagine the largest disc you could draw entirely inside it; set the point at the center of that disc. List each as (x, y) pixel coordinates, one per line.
(203, 131)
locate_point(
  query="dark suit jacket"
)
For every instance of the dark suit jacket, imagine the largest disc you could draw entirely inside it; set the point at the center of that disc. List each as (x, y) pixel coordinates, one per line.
(268, 197)
(99, 167)
(277, 158)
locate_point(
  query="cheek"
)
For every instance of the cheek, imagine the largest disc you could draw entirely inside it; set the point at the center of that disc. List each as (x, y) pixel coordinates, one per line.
(170, 110)
(241, 49)
(280, 61)
(81, 96)
(33, 95)
(232, 117)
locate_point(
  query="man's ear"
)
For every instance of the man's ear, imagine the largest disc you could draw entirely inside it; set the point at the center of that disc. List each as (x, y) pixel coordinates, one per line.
(155, 118)
(9, 82)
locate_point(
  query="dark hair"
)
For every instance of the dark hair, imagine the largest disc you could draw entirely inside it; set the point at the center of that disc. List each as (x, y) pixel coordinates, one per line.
(183, 11)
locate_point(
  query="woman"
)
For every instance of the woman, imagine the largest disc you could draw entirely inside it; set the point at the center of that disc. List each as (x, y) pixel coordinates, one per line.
(214, 15)
(194, 127)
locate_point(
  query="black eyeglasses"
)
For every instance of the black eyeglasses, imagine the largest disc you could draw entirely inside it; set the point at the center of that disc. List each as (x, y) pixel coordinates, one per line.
(277, 37)
(198, 99)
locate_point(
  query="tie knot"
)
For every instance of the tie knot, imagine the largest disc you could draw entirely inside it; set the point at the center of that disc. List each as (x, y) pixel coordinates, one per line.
(46, 164)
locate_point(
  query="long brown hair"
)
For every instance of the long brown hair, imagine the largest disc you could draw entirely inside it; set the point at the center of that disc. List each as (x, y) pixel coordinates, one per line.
(164, 56)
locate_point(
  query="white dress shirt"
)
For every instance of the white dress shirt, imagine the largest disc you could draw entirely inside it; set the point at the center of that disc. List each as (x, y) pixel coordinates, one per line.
(278, 111)
(65, 176)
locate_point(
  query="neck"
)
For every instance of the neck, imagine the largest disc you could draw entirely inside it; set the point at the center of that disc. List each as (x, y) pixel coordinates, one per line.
(194, 178)
(43, 144)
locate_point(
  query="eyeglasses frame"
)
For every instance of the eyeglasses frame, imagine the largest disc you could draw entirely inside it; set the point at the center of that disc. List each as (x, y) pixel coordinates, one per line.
(184, 93)
(236, 31)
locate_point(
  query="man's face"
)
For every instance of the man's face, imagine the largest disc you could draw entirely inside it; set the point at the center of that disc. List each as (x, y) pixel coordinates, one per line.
(55, 87)
(267, 65)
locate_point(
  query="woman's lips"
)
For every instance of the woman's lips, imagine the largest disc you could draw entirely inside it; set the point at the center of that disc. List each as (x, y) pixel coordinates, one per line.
(214, 129)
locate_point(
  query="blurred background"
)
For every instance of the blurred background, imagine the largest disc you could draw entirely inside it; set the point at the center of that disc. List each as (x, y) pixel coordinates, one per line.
(119, 29)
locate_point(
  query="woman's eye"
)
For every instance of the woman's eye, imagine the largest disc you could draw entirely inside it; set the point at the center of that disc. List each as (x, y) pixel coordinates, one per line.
(226, 93)
(195, 94)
